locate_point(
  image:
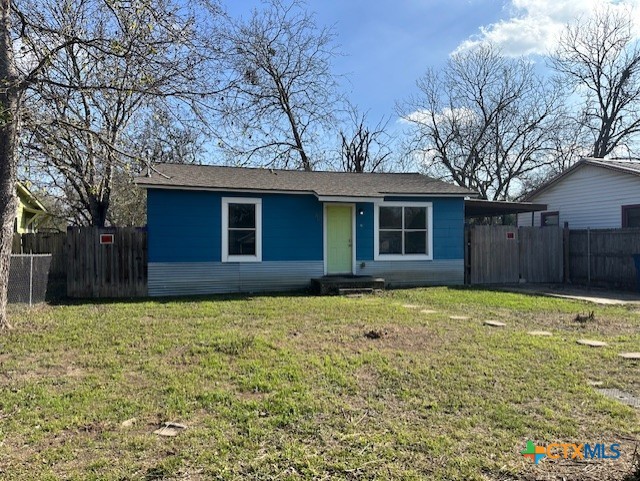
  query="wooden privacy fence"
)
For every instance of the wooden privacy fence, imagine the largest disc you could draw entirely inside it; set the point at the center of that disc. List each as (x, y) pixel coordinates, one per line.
(53, 243)
(603, 257)
(106, 262)
(493, 255)
(507, 254)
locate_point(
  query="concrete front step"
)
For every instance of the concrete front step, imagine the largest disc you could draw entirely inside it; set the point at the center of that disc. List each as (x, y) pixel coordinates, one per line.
(355, 290)
(331, 285)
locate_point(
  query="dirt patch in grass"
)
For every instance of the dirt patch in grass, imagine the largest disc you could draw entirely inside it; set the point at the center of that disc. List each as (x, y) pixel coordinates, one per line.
(358, 337)
(398, 337)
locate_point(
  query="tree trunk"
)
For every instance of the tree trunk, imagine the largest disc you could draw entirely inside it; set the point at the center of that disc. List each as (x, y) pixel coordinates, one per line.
(98, 210)
(9, 118)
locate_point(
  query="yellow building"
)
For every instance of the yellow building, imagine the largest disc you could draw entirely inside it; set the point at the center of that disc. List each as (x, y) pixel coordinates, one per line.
(31, 213)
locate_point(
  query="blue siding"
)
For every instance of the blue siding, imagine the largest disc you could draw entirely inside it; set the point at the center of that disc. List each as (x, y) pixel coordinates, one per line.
(448, 228)
(291, 228)
(185, 226)
(364, 232)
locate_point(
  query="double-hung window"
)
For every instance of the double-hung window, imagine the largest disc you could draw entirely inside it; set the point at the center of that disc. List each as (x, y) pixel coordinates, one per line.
(241, 229)
(631, 215)
(403, 231)
(549, 219)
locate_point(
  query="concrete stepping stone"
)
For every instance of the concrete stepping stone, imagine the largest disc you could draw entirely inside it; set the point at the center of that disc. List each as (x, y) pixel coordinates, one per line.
(540, 333)
(623, 397)
(494, 323)
(459, 318)
(129, 422)
(170, 429)
(591, 343)
(428, 311)
(634, 356)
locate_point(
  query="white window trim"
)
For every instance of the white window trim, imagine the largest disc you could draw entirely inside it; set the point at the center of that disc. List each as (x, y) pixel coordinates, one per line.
(400, 257)
(225, 229)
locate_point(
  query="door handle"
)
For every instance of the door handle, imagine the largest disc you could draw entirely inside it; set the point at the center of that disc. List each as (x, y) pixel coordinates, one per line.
(350, 243)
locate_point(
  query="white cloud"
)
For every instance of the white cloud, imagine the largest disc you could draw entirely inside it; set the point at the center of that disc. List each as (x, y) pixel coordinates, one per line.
(462, 115)
(534, 26)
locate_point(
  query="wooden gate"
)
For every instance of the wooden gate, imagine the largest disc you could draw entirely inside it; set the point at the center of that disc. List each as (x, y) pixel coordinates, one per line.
(507, 254)
(106, 262)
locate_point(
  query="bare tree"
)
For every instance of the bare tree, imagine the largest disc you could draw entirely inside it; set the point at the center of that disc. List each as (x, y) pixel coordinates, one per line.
(10, 98)
(600, 57)
(85, 103)
(162, 137)
(284, 93)
(485, 122)
(364, 148)
(166, 137)
(68, 49)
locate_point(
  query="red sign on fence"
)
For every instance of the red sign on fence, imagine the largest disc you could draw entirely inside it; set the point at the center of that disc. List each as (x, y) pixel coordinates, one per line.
(511, 235)
(106, 239)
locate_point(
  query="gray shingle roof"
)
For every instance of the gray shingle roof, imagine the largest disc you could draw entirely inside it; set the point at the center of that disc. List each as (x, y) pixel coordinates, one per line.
(320, 183)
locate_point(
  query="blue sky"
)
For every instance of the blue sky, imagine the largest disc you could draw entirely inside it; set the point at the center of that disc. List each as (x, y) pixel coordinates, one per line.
(388, 45)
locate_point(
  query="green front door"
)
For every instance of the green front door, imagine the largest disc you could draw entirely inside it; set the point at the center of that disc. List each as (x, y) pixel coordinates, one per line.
(339, 239)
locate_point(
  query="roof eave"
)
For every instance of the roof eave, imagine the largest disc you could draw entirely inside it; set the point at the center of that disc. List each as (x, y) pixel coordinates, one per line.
(222, 189)
(321, 197)
(30, 197)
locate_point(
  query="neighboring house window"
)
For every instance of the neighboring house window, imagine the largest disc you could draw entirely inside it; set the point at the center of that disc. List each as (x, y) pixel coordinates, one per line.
(403, 231)
(631, 215)
(241, 229)
(549, 219)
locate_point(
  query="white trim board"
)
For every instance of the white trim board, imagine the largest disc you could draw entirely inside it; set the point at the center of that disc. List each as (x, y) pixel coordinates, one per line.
(347, 199)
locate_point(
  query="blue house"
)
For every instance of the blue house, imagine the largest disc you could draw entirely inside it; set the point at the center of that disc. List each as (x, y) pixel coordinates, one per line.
(225, 229)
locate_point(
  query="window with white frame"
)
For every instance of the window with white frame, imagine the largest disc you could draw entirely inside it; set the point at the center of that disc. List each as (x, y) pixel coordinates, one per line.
(241, 229)
(403, 231)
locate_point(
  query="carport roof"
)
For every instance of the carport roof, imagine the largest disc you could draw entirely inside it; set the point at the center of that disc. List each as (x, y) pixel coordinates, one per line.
(493, 208)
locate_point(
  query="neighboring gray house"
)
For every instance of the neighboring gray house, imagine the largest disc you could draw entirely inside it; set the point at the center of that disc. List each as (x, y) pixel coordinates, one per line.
(593, 193)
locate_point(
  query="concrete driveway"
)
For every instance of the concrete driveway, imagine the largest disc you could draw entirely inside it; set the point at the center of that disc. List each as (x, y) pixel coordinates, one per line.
(590, 294)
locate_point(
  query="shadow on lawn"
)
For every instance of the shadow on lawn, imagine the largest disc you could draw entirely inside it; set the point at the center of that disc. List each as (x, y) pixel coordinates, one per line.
(70, 301)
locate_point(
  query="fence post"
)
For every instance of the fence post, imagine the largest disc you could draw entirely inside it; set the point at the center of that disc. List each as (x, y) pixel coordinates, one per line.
(588, 256)
(467, 254)
(566, 275)
(31, 280)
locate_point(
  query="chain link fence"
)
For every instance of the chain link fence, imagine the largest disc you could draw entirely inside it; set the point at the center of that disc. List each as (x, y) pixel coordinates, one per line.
(29, 278)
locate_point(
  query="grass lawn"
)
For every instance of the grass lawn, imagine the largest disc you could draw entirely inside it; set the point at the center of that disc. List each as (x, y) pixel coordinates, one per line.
(290, 387)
